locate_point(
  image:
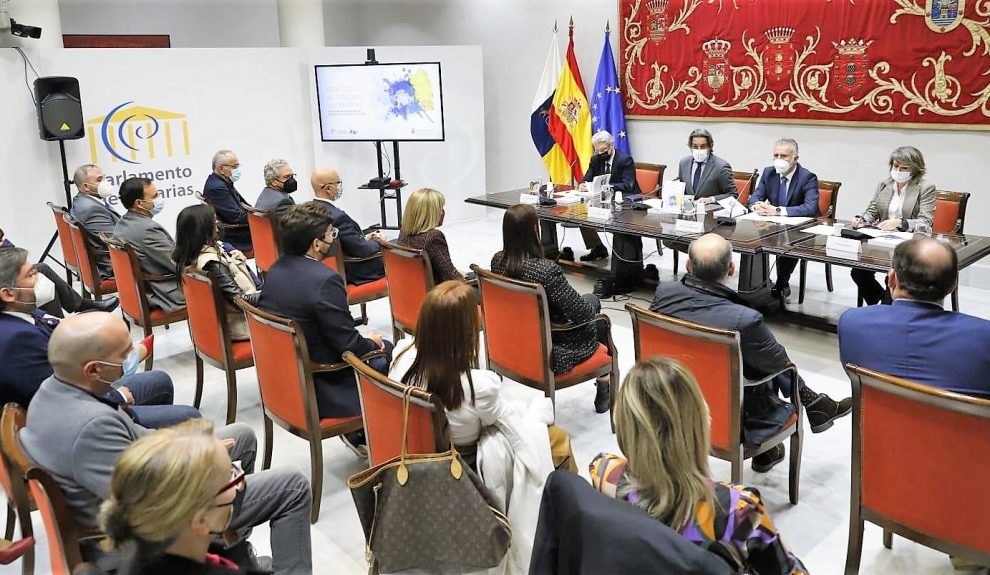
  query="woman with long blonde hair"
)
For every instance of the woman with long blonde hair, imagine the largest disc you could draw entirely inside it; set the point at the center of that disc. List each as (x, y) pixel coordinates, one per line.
(171, 494)
(421, 219)
(662, 426)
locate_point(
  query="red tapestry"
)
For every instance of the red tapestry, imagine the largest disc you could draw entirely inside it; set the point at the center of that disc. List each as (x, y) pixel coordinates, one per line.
(920, 63)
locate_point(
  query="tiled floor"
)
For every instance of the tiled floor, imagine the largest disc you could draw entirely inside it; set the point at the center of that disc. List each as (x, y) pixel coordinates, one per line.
(816, 529)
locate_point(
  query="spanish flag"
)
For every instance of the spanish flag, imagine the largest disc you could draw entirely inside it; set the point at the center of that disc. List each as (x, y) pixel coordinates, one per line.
(570, 120)
(539, 121)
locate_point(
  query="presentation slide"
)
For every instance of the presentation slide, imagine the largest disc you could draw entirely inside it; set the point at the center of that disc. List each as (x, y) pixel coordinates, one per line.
(368, 102)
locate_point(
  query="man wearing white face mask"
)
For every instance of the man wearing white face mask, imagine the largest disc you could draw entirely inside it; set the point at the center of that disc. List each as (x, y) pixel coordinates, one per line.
(91, 207)
(328, 187)
(786, 189)
(153, 244)
(24, 335)
(706, 176)
(219, 192)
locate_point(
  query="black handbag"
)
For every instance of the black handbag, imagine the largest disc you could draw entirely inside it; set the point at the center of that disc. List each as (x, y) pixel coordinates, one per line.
(429, 512)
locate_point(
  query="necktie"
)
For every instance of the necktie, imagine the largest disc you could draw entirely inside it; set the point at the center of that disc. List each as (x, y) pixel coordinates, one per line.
(698, 167)
(608, 167)
(46, 325)
(782, 194)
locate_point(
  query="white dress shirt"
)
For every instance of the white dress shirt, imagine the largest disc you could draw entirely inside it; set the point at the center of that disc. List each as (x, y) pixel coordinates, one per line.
(896, 206)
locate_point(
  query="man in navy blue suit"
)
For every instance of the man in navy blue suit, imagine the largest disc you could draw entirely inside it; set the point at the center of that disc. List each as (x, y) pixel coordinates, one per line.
(328, 187)
(915, 338)
(786, 189)
(24, 334)
(301, 287)
(219, 192)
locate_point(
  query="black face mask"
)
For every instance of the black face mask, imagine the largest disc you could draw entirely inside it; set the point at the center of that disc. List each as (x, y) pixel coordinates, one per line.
(290, 185)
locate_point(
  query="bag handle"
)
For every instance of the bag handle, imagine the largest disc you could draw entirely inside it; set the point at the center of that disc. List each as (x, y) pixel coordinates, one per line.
(402, 474)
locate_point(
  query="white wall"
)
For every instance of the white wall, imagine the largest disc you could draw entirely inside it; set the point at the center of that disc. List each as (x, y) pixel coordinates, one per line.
(514, 35)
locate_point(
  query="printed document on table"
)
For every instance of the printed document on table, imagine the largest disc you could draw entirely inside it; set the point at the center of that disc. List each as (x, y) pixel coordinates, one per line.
(876, 233)
(794, 221)
(821, 230)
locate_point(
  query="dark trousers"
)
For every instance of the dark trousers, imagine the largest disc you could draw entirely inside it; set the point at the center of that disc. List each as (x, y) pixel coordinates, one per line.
(785, 267)
(871, 290)
(66, 298)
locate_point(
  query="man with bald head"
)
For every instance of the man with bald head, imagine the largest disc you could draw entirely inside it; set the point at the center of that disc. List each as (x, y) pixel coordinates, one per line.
(327, 187)
(920, 340)
(703, 297)
(76, 434)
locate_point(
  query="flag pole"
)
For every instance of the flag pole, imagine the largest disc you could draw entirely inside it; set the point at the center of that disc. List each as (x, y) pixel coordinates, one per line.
(607, 30)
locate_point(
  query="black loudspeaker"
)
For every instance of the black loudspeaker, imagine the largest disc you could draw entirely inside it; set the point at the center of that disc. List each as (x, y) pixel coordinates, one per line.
(59, 108)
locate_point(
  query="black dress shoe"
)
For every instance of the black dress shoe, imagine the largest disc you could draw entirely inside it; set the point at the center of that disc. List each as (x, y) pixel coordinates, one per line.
(768, 459)
(603, 288)
(108, 304)
(597, 253)
(566, 254)
(651, 272)
(602, 397)
(823, 411)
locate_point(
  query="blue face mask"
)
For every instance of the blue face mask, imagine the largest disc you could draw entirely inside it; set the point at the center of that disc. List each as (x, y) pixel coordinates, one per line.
(129, 367)
(235, 174)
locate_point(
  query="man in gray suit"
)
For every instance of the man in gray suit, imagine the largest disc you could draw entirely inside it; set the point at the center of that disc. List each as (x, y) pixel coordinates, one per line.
(280, 181)
(76, 434)
(91, 208)
(706, 176)
(150, 240)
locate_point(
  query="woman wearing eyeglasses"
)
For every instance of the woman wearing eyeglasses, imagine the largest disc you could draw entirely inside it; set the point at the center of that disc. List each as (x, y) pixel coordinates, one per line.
(171, 497)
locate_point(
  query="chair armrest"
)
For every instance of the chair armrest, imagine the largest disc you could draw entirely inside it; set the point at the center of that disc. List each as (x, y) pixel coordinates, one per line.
(569, 326)
(789, 368)
(374, 256)
(159, 278)
(324, 367)
(224, 226)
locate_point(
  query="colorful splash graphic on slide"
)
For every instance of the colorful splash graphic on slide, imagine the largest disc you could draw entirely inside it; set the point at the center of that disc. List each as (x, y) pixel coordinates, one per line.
(412, 94)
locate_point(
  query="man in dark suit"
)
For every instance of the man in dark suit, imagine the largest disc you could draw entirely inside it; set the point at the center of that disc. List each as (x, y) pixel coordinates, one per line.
(914, 337)
(24, 334)
(152, 242)
(300, 286)
(91, 208)
(706, 176)
(280, 181)
(327, 187)
(219, 192)
(786, 189)
(702, 297)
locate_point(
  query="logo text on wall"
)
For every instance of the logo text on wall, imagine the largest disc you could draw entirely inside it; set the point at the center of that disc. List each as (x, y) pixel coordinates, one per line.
(155, 142)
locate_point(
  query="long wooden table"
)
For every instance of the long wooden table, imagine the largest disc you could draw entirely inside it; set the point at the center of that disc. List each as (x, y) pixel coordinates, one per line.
(755, 240)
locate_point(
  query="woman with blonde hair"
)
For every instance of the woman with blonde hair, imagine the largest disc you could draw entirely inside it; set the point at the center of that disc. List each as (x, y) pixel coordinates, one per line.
(171, 495)
(421, 219)
(662, 426)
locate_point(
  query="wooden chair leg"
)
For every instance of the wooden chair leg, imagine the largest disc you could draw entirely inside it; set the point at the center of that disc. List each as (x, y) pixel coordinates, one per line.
(396, 334)
(828, 277)
(676, 252)
(266, 460)
(150, 361)
(316, 461)
(737, 462)
(198, 398)
(794, 474)
(854, 547)
(11, 521)
(955, 299)
(613, 389)
(231, 394)
(888, 539)
(802, 281)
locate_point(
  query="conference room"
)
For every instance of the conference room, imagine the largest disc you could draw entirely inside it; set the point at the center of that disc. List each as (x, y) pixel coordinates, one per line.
(825, 178)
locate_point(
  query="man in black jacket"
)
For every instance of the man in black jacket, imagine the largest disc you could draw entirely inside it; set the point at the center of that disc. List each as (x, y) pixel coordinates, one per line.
(327, 187)
(702, 297)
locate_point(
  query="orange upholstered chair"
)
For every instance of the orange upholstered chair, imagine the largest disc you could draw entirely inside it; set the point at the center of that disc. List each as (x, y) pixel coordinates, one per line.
(356, 294)
(950, 218)
(409, 269)
(288, 395)
(828, 198)
(649, 177)
(13, 462)
(63, 534)
(925, 482)
(69, 257)
(210, 333)
(745, 184)
(89, 273)
(263, 225)
(131, 290)
(714, 357)
(381, 406)
(517, 338)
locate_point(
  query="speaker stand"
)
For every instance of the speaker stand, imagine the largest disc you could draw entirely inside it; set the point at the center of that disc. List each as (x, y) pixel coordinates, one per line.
(68, 205)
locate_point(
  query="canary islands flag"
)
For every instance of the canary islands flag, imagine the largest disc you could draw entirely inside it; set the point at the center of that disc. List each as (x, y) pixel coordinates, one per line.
(606, 100)
(570, 119)
(539, 126)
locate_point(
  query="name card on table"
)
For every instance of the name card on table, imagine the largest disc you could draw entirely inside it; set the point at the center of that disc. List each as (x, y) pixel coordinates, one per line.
(529, 199)
(689, 227)
(839, 244)
(603, 214)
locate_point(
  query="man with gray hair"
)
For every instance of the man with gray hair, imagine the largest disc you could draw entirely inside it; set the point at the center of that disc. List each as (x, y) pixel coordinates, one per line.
(703, 297)
(280, 181)
(786, 189)
(219, 192)
(91, 207)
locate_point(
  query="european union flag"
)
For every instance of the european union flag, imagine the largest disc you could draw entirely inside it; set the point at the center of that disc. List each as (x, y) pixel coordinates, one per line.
(606, 100)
